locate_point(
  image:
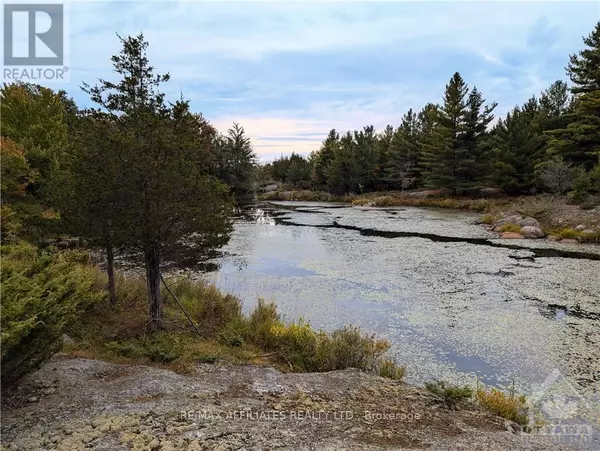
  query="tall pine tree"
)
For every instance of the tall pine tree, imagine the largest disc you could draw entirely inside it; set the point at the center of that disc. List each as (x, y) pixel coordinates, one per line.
(579, 141)
(443, 151)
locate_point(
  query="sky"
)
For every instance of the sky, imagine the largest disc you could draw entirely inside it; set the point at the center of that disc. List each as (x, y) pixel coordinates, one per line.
(289, 72)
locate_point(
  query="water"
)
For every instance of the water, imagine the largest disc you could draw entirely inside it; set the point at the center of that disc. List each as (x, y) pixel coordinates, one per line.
(455, 302)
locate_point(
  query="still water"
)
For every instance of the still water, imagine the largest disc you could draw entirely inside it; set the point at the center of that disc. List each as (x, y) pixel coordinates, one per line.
(456, 302)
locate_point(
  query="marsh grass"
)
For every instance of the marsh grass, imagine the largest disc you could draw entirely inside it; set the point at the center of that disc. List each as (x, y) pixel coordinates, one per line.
(118, 332)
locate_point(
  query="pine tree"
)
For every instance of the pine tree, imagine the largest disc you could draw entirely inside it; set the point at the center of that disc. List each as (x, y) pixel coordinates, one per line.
(166, 199)
(477, 118)
(579, 141)
(403, 163)
(516, 149)
(323, 157)
(443, 151)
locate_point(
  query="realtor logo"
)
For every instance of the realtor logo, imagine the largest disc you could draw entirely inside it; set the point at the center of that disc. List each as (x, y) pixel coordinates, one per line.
(33, 35)
(35, 45)
(559, 411)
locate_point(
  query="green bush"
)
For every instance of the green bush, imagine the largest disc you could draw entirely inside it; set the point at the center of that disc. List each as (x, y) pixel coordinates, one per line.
(582, 184)
(42, 294)
(452, 396)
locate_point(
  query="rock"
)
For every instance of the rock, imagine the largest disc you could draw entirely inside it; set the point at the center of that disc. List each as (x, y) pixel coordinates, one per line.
(580, 227)
(569, 241)
(553, 238)
(512, 219)
(587, 231)
(511, 236)
(33, 399)
(67, 340)
(512, 427)
(532, 232)
(529, 222)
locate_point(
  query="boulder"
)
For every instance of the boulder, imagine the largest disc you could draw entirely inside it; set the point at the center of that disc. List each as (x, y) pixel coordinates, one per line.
(580, 227)
(512, 219)
(511, 236)
(532, 232)
(529, 222)
(569, 241)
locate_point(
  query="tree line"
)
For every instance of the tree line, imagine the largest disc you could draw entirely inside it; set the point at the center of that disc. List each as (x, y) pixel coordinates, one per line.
(133, 172)
(551, 142)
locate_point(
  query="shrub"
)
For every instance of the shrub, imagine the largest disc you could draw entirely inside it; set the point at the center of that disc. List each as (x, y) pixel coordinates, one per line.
(452, 396)
(348, 347)
(509, 406)
(595, 178)
(556, 175)
(582, 185)
(516, 228)
(42, 294)
(390, 370)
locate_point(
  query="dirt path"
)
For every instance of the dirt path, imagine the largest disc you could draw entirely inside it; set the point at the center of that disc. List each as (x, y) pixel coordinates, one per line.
(75, 404)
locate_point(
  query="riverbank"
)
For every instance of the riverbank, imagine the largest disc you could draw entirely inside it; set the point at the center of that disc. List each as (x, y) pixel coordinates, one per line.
(557, 218)
(75, 404)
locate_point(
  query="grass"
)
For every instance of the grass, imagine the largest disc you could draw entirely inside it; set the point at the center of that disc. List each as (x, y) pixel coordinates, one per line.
(451, 396)
(118, 333)
(397, 199)
(304, 195)
(514, 228)
(509, 406)
(569, 233)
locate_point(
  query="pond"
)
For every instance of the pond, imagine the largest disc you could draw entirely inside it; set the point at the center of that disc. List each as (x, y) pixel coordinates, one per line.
(456, 302)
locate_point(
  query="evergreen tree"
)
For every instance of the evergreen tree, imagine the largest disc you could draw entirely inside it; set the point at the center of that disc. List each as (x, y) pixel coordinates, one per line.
(477, 119)
(443, 152)
(323, 157)
(516, 150)
(403, 163)
(579, 141)
(234, 160)
(166, 198)
(342, 174)
(365, 158)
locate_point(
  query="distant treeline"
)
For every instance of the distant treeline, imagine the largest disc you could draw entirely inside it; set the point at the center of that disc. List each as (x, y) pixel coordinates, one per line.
(552, 143)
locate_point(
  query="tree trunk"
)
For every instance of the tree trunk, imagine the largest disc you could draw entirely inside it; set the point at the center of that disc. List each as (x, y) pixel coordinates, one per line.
(152, 257)
(110, 270)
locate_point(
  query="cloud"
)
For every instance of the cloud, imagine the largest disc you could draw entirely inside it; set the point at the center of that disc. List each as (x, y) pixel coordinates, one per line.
(289, 72)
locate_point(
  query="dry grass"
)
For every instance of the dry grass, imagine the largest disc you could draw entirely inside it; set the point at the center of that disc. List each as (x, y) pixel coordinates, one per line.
(509, 406)
(515, 228)
(118, 333)
(399, 199)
